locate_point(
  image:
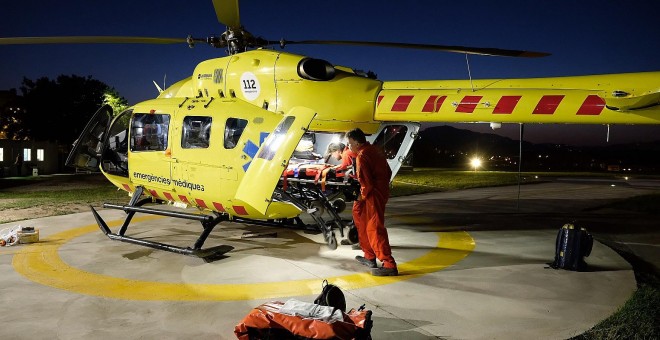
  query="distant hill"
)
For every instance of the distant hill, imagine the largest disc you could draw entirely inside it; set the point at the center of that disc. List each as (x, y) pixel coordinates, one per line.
(446, 146)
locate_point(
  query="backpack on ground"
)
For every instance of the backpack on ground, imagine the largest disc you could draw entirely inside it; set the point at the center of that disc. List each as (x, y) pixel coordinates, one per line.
(331, 296)
(571, 247)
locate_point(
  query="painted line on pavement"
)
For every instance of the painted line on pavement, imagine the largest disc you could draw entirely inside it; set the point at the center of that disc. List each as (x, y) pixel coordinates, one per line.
(41, 263)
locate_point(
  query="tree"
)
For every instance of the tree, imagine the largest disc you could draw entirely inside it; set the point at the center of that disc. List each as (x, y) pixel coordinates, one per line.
(58, 110)
(11, 107)
(112, 98)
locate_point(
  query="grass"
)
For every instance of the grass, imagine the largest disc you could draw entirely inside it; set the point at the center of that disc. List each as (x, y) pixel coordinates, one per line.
(55, 195)
(420, 181)
(21, 200)
(638, 318)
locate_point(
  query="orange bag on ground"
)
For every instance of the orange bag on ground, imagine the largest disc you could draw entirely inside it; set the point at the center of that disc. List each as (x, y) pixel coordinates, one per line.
(266, 322)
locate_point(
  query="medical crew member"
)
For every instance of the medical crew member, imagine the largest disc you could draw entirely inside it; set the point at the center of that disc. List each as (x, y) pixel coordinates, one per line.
(374, 174)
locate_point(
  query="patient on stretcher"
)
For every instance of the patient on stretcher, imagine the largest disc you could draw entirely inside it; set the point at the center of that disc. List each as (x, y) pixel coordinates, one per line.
(337, 165)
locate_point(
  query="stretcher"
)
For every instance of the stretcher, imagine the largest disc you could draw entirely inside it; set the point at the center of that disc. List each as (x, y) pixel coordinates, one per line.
(322, 192)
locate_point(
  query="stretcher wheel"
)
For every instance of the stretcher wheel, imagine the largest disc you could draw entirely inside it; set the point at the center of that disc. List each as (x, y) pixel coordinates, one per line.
(339, 205)
(332, 242)
(353, 235)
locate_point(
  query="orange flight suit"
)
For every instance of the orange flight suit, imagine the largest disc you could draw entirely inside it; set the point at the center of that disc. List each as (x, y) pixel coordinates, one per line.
(374, 174)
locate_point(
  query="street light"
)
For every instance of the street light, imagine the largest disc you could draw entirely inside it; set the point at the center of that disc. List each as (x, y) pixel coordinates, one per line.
(475, 162)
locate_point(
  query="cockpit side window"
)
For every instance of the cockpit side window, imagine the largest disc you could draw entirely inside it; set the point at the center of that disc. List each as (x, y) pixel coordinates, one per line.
(196, 132)
(149, 132)
(233, 131)
(390, 139)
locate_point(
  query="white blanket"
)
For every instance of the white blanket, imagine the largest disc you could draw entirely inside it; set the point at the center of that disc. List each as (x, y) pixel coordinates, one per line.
(311, 310)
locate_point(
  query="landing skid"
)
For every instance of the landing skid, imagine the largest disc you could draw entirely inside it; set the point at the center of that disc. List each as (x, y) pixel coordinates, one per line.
(209, 222)
(135, 205)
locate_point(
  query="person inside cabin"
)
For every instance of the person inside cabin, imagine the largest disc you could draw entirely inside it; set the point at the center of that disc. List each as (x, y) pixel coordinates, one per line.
(333, 155)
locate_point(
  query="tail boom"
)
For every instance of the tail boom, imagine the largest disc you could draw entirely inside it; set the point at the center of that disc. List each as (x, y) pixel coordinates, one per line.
(631, 98)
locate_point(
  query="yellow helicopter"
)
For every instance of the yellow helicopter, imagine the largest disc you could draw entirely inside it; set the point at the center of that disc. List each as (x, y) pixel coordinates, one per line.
(242, 138)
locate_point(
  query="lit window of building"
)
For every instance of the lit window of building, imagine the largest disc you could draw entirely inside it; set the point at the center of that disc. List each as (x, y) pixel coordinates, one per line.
(27, 154)
(2, 154)
(40, 155)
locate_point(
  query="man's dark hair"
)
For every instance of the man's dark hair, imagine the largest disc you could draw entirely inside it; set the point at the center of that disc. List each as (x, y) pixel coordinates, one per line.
(357, 135)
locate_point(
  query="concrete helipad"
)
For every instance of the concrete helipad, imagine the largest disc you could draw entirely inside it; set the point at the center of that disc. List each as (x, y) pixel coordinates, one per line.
(470, 267)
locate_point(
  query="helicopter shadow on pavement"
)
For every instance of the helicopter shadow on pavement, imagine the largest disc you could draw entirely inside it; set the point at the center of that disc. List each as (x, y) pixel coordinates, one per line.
(232, 239)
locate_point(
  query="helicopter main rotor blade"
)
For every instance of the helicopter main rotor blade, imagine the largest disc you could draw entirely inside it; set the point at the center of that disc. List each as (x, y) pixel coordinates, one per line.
(89, 40)
(227, 12)
(456, 49)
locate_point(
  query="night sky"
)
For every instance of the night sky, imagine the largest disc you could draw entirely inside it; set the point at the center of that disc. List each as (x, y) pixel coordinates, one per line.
(584, 37)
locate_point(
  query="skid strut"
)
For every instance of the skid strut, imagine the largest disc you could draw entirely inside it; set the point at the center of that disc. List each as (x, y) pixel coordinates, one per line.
(208, 223)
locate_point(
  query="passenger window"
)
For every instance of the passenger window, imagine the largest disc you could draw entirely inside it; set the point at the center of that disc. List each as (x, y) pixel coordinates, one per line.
(196, 132)
(149, 132)
(390, 139)
(233, 131)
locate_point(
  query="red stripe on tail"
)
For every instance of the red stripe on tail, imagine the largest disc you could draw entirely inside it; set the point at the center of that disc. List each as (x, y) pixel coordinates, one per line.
(434, 103)
(506, 104)
(593, 105)
(548, 105)
(401, 103)
(468, 104)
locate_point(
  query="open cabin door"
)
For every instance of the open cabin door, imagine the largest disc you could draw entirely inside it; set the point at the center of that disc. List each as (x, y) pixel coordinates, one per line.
(87, 150)
(395, 139)
(257, 186)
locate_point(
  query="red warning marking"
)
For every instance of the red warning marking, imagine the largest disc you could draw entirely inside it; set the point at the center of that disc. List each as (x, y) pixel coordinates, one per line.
(200, 203)
(593, 105)
(239, 209)
(184, 199)
(468, 104)
(126, 187)
(506, 104)
(401, 103)
(379, 99)
(168, 196)
(548, 105)
(434, 103)
(154, 193)
(219, 207)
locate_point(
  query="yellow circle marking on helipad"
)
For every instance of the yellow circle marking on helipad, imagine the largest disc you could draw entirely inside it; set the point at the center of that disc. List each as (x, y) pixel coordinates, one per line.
(41, 263)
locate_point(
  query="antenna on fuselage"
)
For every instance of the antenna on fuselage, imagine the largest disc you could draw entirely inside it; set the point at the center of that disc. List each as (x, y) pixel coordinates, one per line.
(157, 87)
(468, 69)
